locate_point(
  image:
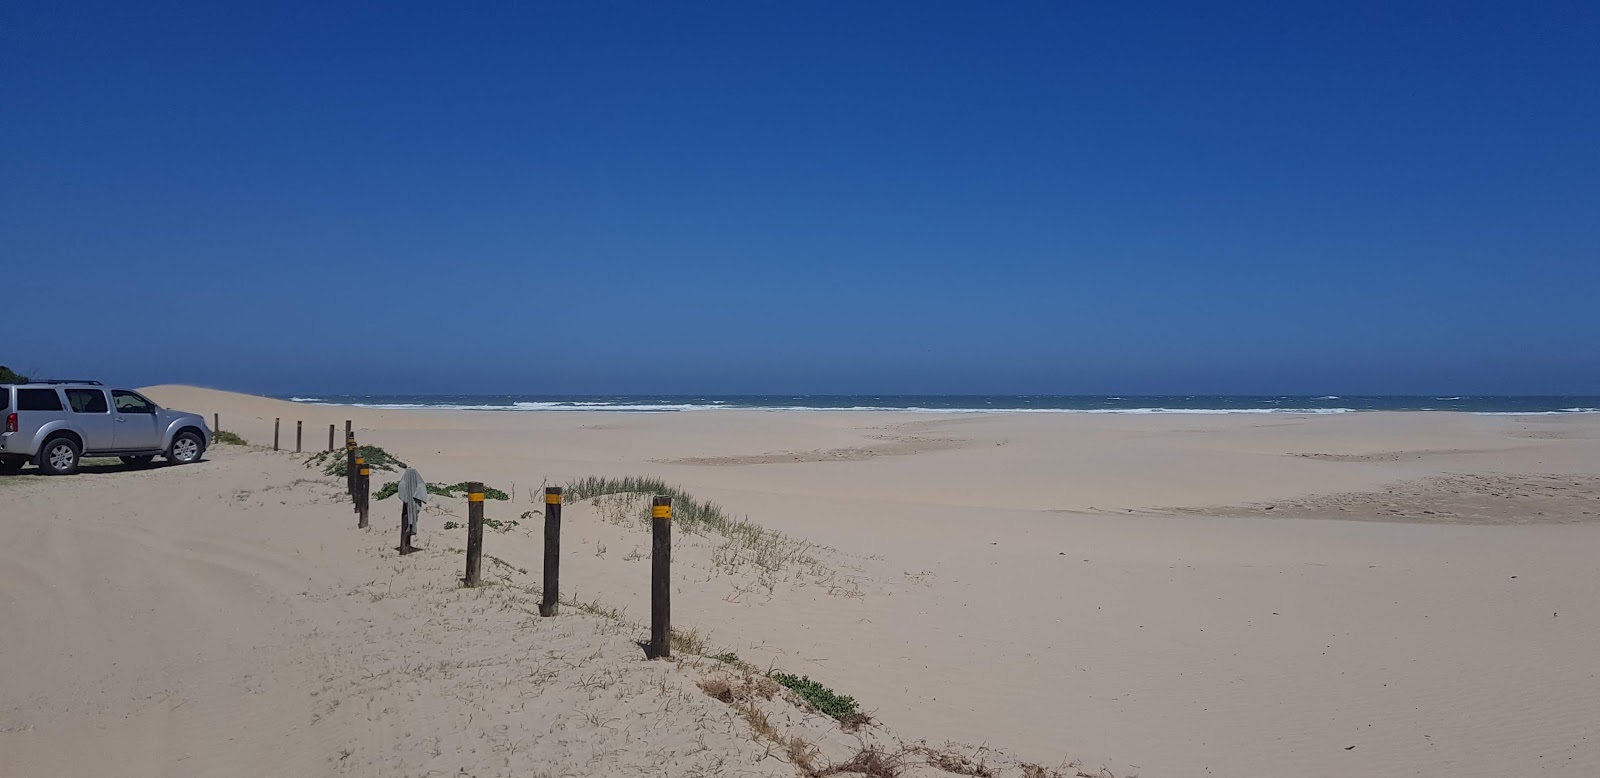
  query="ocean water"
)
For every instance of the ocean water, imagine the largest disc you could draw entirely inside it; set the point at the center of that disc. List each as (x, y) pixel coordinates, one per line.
(1191, 403)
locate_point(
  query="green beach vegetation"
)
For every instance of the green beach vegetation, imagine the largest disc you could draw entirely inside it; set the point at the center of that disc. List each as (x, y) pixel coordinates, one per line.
(333, 462)
(230, 438)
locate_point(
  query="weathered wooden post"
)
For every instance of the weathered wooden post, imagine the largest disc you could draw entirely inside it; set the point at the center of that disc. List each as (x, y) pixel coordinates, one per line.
(405, 530)
(350, 461)
(275, 423)
(355, 485)
(330, 437)
(661, 577)
(364, 498)
(216, 422)
(552, 551)
(474, 532)
(299, 432)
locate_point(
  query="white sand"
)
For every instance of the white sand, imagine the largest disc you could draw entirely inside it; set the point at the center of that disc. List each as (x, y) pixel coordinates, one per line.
(1141, 593)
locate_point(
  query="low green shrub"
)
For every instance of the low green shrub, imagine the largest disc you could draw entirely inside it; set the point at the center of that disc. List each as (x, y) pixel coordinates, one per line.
(460, 490)
(230, 438)
(333, 462)
(825, 700)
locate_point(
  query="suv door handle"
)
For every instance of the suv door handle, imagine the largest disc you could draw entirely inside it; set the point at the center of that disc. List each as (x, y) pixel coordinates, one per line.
(121, 419)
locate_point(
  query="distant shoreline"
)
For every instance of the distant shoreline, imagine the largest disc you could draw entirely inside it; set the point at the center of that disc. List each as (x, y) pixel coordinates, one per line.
(1516, 405)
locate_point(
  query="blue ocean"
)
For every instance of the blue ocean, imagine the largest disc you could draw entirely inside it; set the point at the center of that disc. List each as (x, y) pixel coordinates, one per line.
(978, 403)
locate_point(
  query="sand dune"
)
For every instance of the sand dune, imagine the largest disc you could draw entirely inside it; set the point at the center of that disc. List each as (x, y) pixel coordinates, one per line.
(1067, 589)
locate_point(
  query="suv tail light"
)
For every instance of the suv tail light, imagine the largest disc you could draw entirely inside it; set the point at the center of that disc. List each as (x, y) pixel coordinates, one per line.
(11, 423)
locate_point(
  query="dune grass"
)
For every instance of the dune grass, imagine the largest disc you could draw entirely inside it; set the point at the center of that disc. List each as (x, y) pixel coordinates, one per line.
(749, 542)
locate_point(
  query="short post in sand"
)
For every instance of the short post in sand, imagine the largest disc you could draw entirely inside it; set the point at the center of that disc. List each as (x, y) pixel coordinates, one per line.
(474, 533)
(216, 422)
(355, 483)
(275, 423)
(660, 577)
(299, 435)
(349, 460)
(364, 495)
(330, 437)
(552, 551)
(405, 529)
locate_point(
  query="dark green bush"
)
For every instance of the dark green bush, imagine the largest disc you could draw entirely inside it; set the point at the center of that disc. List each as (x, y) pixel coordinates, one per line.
(822, 698)
(230, 438)
(333, 462)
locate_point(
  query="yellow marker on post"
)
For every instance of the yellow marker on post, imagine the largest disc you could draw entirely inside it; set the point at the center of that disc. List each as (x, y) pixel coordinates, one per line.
(552, 498)
(475, 497)
(661, 511)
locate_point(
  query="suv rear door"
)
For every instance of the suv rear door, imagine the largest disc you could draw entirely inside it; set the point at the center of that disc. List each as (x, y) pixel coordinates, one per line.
(136, 421)
(92, 415)
(36, 407)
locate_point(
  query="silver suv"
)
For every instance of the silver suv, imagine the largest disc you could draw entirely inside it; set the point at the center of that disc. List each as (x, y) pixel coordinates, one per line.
(54, 424)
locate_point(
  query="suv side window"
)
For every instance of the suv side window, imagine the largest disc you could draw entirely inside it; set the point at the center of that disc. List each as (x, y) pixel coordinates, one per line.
(128, 402)
(38, 400)
(87, 401)
(5, 397)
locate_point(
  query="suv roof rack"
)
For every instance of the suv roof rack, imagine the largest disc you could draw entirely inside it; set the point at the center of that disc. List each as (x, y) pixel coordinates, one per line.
(65, 381)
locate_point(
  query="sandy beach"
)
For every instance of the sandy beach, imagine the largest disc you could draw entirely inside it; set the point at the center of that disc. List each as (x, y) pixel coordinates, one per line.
(1153, 595)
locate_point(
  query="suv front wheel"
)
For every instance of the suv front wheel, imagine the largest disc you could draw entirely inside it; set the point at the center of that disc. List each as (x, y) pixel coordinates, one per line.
(186, 449)
(59, 456)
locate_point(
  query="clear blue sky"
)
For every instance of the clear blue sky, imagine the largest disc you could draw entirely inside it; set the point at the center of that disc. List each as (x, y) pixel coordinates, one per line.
(804, 197)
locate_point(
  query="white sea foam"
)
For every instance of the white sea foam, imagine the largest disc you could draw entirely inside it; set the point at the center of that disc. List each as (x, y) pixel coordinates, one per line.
(1561, 412)
(1329, 397)
(306, 400)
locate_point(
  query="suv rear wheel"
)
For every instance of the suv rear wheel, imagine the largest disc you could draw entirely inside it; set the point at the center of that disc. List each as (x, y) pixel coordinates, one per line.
(59, 456)
(186, 448)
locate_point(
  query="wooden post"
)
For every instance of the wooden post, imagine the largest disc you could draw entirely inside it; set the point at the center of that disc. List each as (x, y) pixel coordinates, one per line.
(474, 532)
(299, 433)
(364, 496)
(405, 530)
(330, 437)
(216, 422)
(275, 423)
(552, 551)
(661, 577)
(355, 490)
(350, 461)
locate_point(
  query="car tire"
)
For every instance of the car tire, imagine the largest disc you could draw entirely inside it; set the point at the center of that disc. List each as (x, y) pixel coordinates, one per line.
(60, 456)
(186, 449)
(9, 465)
(141, 461)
